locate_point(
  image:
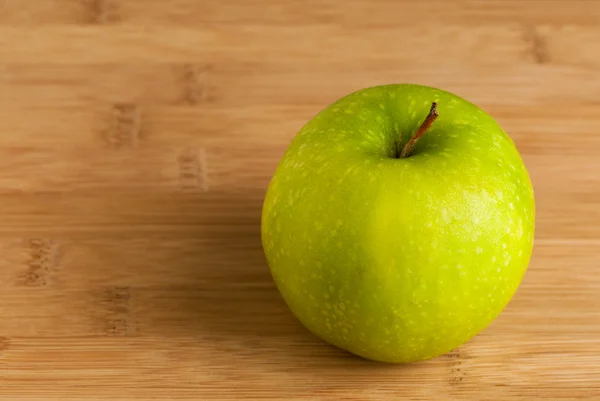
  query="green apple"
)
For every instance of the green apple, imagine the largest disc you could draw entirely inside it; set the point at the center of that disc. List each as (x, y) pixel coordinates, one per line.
(396, 235)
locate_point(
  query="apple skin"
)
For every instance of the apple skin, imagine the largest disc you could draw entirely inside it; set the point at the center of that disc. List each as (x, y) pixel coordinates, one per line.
(399, 259)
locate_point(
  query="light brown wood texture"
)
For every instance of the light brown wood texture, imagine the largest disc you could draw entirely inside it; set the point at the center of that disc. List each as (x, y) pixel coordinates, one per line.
(137, 138)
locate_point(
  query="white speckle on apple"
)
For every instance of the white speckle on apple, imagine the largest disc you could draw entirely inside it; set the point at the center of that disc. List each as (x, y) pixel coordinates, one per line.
(493, 259)
(479, 250)
(445, 215)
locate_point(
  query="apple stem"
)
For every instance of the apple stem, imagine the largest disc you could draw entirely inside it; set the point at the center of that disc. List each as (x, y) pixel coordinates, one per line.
(433, 114)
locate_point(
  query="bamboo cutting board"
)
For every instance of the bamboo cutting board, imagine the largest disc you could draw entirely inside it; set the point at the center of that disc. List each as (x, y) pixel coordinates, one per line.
(137, 138)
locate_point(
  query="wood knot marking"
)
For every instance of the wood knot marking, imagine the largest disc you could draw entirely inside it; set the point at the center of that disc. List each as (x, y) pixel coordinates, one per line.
(4, 344)
(116, 305)
(538, 46)
(196, 84)
(123, 128)
(192, 169)
(101, 11)
(42, 262)
(457, 372)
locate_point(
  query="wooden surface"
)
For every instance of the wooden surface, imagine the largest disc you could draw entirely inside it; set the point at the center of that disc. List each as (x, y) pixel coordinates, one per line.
(137, 138)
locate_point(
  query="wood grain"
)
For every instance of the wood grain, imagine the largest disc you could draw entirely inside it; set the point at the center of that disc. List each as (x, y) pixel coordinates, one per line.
(137, 138)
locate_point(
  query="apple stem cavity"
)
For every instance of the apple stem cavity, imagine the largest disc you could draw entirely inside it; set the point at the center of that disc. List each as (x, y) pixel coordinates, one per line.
(433, 114)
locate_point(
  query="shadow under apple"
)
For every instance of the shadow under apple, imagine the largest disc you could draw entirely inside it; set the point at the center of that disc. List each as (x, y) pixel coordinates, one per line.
(224, 293)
